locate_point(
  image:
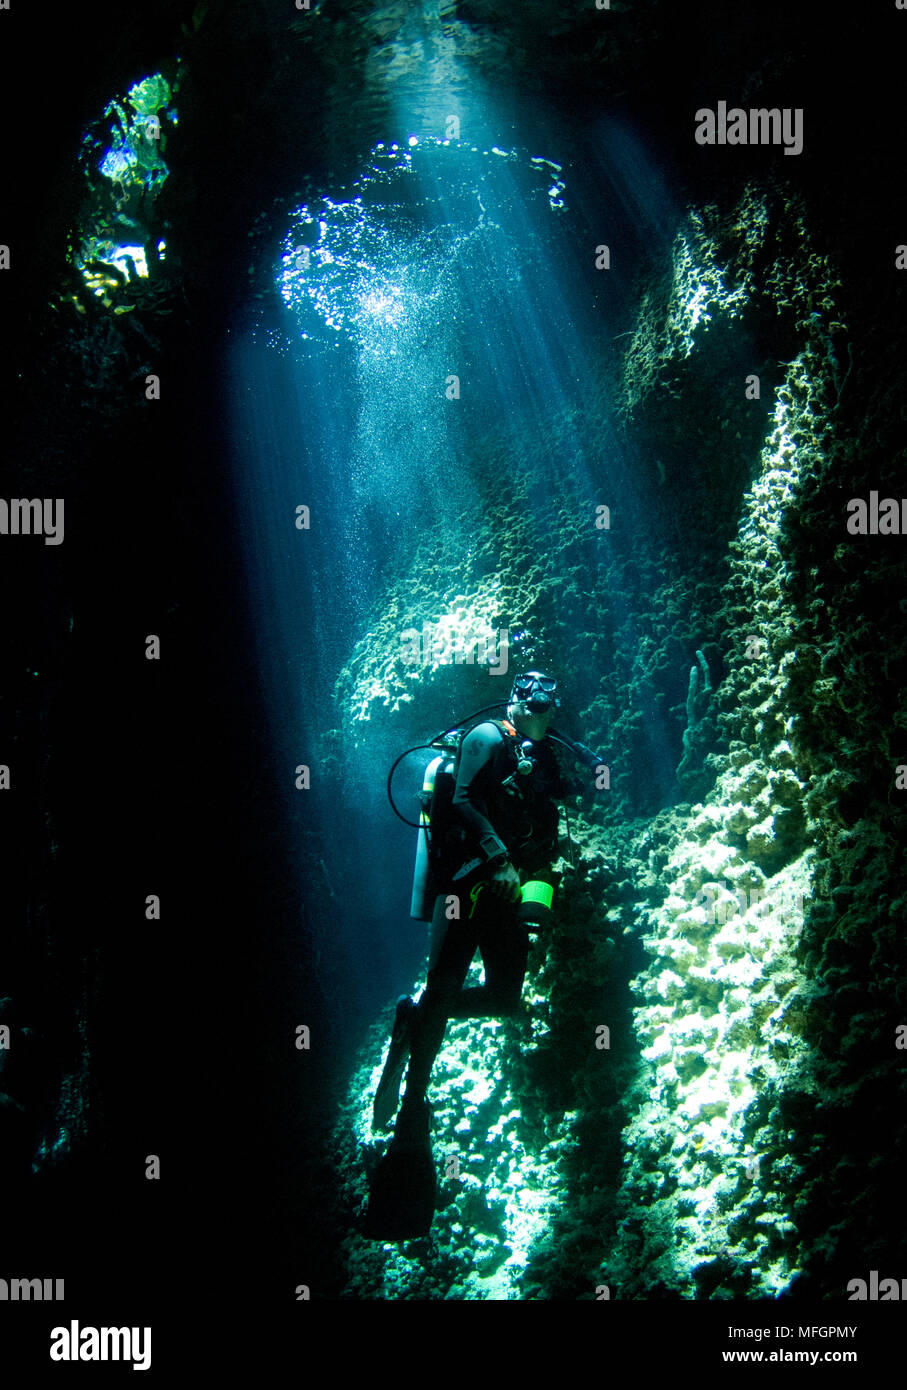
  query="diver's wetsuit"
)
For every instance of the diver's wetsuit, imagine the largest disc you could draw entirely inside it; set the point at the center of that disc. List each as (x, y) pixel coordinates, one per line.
(488, 817)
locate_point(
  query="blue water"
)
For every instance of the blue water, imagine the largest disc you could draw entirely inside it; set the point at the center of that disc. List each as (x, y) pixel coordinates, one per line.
(430, 316)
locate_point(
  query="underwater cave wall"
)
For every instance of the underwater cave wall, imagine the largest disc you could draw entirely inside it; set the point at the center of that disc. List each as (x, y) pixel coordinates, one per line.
(764, 1002)
(693, 931)
(712, 1172)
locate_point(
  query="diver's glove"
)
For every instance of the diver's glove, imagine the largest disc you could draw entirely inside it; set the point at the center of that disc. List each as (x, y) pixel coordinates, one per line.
(505, 881)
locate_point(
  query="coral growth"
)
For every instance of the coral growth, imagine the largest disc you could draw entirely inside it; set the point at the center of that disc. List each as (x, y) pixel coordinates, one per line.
(684, 1159)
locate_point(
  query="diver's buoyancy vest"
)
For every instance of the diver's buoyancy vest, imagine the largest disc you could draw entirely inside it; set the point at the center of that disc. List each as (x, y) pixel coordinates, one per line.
(435, 851)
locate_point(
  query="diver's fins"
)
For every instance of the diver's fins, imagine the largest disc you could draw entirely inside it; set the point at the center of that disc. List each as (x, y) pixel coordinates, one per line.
(387, 1096)
(404, 1189)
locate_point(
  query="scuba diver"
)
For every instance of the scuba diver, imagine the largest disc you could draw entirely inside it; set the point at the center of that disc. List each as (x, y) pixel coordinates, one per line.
(484, 880)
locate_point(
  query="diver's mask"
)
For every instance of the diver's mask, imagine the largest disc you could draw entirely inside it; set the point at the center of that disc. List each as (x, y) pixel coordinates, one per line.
(535, 692)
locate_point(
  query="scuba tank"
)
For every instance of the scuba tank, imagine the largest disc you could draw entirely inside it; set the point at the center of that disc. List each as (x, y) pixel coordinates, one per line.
(439, 781)
(423, 878)
(438, 784)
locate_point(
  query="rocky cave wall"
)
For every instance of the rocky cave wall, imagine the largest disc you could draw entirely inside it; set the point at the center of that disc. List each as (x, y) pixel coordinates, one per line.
(738, 944)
